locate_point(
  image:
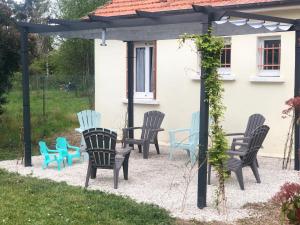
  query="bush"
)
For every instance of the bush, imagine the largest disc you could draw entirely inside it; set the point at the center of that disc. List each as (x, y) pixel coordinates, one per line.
(289, 199)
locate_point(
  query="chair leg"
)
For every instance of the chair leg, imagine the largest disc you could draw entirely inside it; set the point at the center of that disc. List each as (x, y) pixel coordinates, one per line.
(255, 171)
(208, 173)
(69, 160)
(146, 150)
(140, 148)
(116, 178)
(156, 145)
(58, 165)
(171, 153)
(239, 176)
(256, 163)
(93, 172)
(88, 174)
(125, 166)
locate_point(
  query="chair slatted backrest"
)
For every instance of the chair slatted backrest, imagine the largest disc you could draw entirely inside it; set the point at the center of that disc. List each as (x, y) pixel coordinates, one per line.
(194, 131)
(257, 138)
(152, 120)
(44, 150)
(61, 143)
(101, 147)
(254, 121)
(89, 119)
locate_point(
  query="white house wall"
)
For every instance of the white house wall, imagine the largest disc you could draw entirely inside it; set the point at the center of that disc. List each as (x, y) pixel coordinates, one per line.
(178, 92)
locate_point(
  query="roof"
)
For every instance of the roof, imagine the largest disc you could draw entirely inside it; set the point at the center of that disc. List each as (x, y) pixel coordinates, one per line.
(128, 7)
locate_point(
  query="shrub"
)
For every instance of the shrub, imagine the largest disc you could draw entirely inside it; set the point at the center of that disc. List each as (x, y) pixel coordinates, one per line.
(289, 199)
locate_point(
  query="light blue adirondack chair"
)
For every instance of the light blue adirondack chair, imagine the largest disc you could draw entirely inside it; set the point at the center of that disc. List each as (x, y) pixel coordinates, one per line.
(88, 119)
(192, 139)
(50, 155)
(63, 145)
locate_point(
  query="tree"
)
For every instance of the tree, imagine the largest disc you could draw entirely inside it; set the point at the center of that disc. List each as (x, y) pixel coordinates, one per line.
(74, 61)
(9, 51)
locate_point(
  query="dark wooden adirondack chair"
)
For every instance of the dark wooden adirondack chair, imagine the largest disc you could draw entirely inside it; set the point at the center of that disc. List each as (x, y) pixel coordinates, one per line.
(247, 154)
(150, 129)
(101, 147)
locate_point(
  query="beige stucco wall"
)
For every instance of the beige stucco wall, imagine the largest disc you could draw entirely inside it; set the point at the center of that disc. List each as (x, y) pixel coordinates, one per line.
(178, 93)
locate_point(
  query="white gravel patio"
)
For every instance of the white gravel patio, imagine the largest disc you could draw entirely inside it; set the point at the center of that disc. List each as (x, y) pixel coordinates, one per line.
(163, 182)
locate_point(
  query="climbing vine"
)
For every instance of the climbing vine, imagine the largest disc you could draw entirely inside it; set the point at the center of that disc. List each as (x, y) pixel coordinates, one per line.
(210, 48)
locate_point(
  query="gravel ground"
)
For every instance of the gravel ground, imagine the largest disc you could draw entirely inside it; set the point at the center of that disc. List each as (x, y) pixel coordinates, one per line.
(163, 182)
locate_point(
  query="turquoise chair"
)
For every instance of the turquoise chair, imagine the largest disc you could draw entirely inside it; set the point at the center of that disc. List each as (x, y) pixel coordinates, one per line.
(50, 155)
(87, 119)
(63, 145)
(190, 144)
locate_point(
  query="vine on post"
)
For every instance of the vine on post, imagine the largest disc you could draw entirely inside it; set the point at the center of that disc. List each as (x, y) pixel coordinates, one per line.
(210, 48)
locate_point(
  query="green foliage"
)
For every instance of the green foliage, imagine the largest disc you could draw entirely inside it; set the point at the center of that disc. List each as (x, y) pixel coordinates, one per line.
(9, 51)
(74, 60)
(61, 109)
(74, 9)
(210, 48)
(289, 199)
(27, 201)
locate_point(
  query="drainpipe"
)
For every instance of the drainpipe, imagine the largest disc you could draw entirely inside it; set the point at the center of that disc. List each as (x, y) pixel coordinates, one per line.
(297, 93)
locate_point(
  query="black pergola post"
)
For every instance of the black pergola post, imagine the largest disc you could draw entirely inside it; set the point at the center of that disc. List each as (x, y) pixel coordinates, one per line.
(26, 97)
(297, 93)
(130, 86)
(203, 134)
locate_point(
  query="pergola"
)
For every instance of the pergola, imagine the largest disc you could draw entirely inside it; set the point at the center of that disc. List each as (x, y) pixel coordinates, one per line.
(154, 26)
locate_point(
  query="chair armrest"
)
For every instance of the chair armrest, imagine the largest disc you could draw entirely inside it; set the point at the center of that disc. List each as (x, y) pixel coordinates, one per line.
(159, 129)
(234, 134)
(179, 130)
(74, 147)
(241, 139)
(124, 151)
(236, 152)
(131, 128)
(80, 130)
(54, 151)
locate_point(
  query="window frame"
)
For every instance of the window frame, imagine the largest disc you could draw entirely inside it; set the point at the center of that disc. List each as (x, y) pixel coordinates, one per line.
(147, 94)
(261, 55)
(226, 71)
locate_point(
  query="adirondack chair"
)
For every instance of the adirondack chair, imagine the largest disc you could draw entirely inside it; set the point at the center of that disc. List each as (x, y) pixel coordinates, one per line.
(50, 155)
(246, 153)
(88, 119)
(63, 145)
(150, 129)
(101, 147)
(190, 144)
(254, 121)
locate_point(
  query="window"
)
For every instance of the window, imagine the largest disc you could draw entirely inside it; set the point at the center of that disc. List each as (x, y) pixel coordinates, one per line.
(226, 56)
(144, 70)
(225, 60)
(269, 51)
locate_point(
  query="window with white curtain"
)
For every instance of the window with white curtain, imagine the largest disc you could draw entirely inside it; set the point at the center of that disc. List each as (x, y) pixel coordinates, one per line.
(144, 70)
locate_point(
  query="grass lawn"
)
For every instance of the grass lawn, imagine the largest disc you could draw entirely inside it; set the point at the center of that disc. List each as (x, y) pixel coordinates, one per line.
(26, 200)
(61, 108)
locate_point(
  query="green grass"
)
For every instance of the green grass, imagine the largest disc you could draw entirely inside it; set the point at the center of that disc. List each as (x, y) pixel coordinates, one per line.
(61, 108)
(27, 200)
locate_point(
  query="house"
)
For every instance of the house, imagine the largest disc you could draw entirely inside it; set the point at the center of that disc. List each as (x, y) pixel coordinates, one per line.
(257, 68)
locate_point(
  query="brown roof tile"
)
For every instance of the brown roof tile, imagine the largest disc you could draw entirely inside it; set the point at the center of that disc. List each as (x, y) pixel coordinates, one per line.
(127, 7)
